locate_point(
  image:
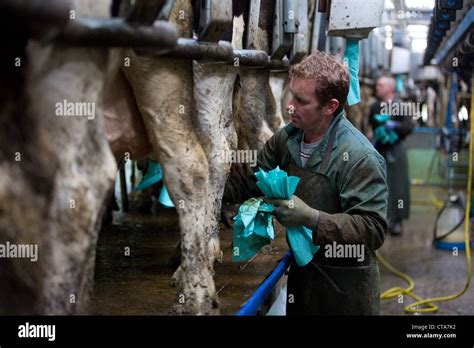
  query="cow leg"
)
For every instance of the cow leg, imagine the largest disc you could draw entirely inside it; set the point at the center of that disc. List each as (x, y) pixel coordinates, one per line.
(163, 88)
(85, 174)
(272, 118)
(277, 84)
(257, 120)
(54, 193)
(213, 87)
(286, 96)
(213, 94)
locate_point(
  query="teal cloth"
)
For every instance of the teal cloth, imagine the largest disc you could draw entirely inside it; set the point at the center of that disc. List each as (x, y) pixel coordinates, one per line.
(165, 198)
(351, 56)
(154, 175)
(382, 135)
(253, 226)
(399, 83)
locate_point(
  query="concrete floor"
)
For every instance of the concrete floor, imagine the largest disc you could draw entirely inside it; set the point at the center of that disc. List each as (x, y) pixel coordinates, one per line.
(139, 284)
(435, 272)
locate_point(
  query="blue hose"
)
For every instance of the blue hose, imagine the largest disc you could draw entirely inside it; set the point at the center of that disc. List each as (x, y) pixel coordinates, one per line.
(257, 298)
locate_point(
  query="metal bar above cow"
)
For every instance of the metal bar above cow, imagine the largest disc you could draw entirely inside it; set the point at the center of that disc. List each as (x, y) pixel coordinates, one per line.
(114, 32)
(222, 52)
(159, 38)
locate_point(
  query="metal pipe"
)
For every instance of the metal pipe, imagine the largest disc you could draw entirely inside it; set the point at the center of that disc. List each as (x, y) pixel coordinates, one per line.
(290, 10)
(160, 38)
(462, 28)
(222, 52)
(279, 65)
(198, 50)
(116, 32)
(252, 57)
(322, 5)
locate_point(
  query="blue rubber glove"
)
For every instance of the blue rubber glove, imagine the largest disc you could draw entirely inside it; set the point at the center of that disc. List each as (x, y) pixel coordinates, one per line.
(391, 125)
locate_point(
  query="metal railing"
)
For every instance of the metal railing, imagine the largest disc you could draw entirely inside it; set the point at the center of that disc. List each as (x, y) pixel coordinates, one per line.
(48, 21)
(256, 300)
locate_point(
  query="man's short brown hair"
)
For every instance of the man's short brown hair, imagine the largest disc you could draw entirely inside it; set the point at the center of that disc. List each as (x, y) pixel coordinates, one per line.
(332, 78)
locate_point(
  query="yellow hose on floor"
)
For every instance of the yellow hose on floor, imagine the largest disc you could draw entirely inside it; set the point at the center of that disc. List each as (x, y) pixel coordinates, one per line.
(397, 291)
(429, 176)
(429, 307)
(435, 201)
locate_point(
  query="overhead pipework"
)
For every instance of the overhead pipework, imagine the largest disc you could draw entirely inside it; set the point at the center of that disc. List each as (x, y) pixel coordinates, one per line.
(450, 33)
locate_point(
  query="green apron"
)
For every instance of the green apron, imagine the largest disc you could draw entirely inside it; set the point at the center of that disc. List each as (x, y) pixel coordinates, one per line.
(330, 286)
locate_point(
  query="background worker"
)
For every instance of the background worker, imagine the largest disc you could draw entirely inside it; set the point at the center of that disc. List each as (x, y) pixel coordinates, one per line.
(390, 128)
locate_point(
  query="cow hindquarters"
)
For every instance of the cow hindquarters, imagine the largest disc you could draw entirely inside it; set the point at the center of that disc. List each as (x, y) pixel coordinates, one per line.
(64, 90)
(163, 88)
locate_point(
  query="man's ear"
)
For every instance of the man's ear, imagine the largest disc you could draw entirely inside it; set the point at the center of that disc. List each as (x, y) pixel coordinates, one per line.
(331, 106)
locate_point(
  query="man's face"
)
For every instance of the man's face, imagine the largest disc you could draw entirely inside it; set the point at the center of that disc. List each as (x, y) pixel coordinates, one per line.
(305, 111)
(382, 88)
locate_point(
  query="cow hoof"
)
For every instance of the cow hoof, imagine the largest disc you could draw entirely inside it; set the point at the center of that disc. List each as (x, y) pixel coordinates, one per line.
(176, 278)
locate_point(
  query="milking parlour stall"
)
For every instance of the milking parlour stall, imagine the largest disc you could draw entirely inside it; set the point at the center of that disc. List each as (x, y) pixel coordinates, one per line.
(170, 168)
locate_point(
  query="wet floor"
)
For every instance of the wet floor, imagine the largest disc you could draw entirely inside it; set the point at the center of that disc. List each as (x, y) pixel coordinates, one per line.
(132, 277)
(435, 272)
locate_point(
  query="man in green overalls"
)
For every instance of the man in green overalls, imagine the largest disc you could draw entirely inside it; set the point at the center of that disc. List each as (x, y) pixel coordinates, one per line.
(342, 195)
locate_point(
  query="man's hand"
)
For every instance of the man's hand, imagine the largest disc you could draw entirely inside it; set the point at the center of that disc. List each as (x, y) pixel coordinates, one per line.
(294, 212)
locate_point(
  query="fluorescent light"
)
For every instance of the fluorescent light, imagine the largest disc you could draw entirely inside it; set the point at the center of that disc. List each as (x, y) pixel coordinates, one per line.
(388, 5)
(418, 45)
(421, 4)
(418, 35)
(417, 28)
(463, 115)
(417, 31)
(424, 112)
